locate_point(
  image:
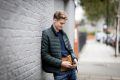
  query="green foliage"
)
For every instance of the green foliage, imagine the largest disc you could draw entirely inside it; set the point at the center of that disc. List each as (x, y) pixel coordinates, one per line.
(91, 33)
(96, 9)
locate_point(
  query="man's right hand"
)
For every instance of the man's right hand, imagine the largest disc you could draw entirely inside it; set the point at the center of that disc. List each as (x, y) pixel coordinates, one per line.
(66, 64)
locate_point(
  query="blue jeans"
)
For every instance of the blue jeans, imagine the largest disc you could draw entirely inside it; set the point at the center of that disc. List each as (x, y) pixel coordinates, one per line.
(67, 75)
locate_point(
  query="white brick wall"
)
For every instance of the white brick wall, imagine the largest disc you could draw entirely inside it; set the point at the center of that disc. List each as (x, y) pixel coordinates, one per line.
(21, 25)
(70, 9)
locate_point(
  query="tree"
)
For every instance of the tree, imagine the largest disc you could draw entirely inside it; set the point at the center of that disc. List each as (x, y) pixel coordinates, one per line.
(97, 9)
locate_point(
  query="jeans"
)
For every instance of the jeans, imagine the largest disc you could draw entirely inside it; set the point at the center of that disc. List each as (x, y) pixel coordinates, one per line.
(67, 75)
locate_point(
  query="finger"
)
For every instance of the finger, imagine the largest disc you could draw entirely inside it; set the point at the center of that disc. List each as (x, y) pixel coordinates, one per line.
(69, 65)
(73, 66)
(67, 62)
(75, 60)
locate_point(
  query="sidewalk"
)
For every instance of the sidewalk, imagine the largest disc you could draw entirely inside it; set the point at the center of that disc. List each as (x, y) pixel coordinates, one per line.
(97, 62)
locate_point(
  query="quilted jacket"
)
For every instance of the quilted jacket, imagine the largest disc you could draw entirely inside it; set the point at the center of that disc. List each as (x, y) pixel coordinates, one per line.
(51, 50)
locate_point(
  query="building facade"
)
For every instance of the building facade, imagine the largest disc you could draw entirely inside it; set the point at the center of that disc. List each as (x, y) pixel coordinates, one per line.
(21, 25)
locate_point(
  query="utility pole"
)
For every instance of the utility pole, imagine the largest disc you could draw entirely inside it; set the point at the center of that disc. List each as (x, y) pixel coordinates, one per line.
(117, 37)
(118, 30)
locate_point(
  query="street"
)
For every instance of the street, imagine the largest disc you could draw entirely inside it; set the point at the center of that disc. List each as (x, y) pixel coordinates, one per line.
(97, 62)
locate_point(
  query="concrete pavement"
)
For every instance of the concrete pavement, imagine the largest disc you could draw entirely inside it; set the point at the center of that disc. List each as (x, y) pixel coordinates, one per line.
(97, 62)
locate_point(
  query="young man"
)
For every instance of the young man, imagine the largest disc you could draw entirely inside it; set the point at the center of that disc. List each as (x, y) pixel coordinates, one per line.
(56, 52)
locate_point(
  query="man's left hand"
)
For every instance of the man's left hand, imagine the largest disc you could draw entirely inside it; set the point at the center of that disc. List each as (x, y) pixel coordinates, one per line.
(75, 61)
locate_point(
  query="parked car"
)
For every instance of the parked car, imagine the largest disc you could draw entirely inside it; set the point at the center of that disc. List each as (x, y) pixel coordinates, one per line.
(101, 37)
(111, 40)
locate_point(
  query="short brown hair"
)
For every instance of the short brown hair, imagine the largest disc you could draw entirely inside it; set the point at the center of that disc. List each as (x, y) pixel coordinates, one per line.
(60, 15)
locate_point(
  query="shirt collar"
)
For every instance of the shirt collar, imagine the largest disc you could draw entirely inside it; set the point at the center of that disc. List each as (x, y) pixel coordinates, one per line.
(54, 30)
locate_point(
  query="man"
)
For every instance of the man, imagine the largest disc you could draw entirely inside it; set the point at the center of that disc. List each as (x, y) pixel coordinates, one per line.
(56, 52)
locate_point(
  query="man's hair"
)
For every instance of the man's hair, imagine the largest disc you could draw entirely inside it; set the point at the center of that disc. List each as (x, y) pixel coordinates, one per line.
(60, 15)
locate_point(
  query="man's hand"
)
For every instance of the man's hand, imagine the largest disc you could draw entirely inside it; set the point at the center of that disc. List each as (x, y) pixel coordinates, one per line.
(75, 61)
(66, 64)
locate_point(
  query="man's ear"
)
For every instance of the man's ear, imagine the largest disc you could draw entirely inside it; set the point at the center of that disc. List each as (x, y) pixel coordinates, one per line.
(54, 20)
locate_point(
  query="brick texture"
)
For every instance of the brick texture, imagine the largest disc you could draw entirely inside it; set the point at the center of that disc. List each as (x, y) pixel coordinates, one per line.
(21, 25)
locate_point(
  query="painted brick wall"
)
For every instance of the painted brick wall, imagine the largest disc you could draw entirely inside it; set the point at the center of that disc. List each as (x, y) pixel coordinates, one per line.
(70, 9)
(21, 24)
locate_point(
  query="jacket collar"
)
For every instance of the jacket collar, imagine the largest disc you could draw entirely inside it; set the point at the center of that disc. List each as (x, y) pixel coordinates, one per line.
(54, 31)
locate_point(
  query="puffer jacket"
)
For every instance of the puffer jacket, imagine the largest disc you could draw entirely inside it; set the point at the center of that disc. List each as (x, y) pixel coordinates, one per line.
(51, 50)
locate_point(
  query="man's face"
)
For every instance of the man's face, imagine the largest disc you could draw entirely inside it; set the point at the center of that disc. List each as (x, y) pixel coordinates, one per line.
(59, 24)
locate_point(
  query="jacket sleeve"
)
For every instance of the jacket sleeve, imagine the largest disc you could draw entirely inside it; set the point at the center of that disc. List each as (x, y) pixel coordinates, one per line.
(71, 50)
(45, 55)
